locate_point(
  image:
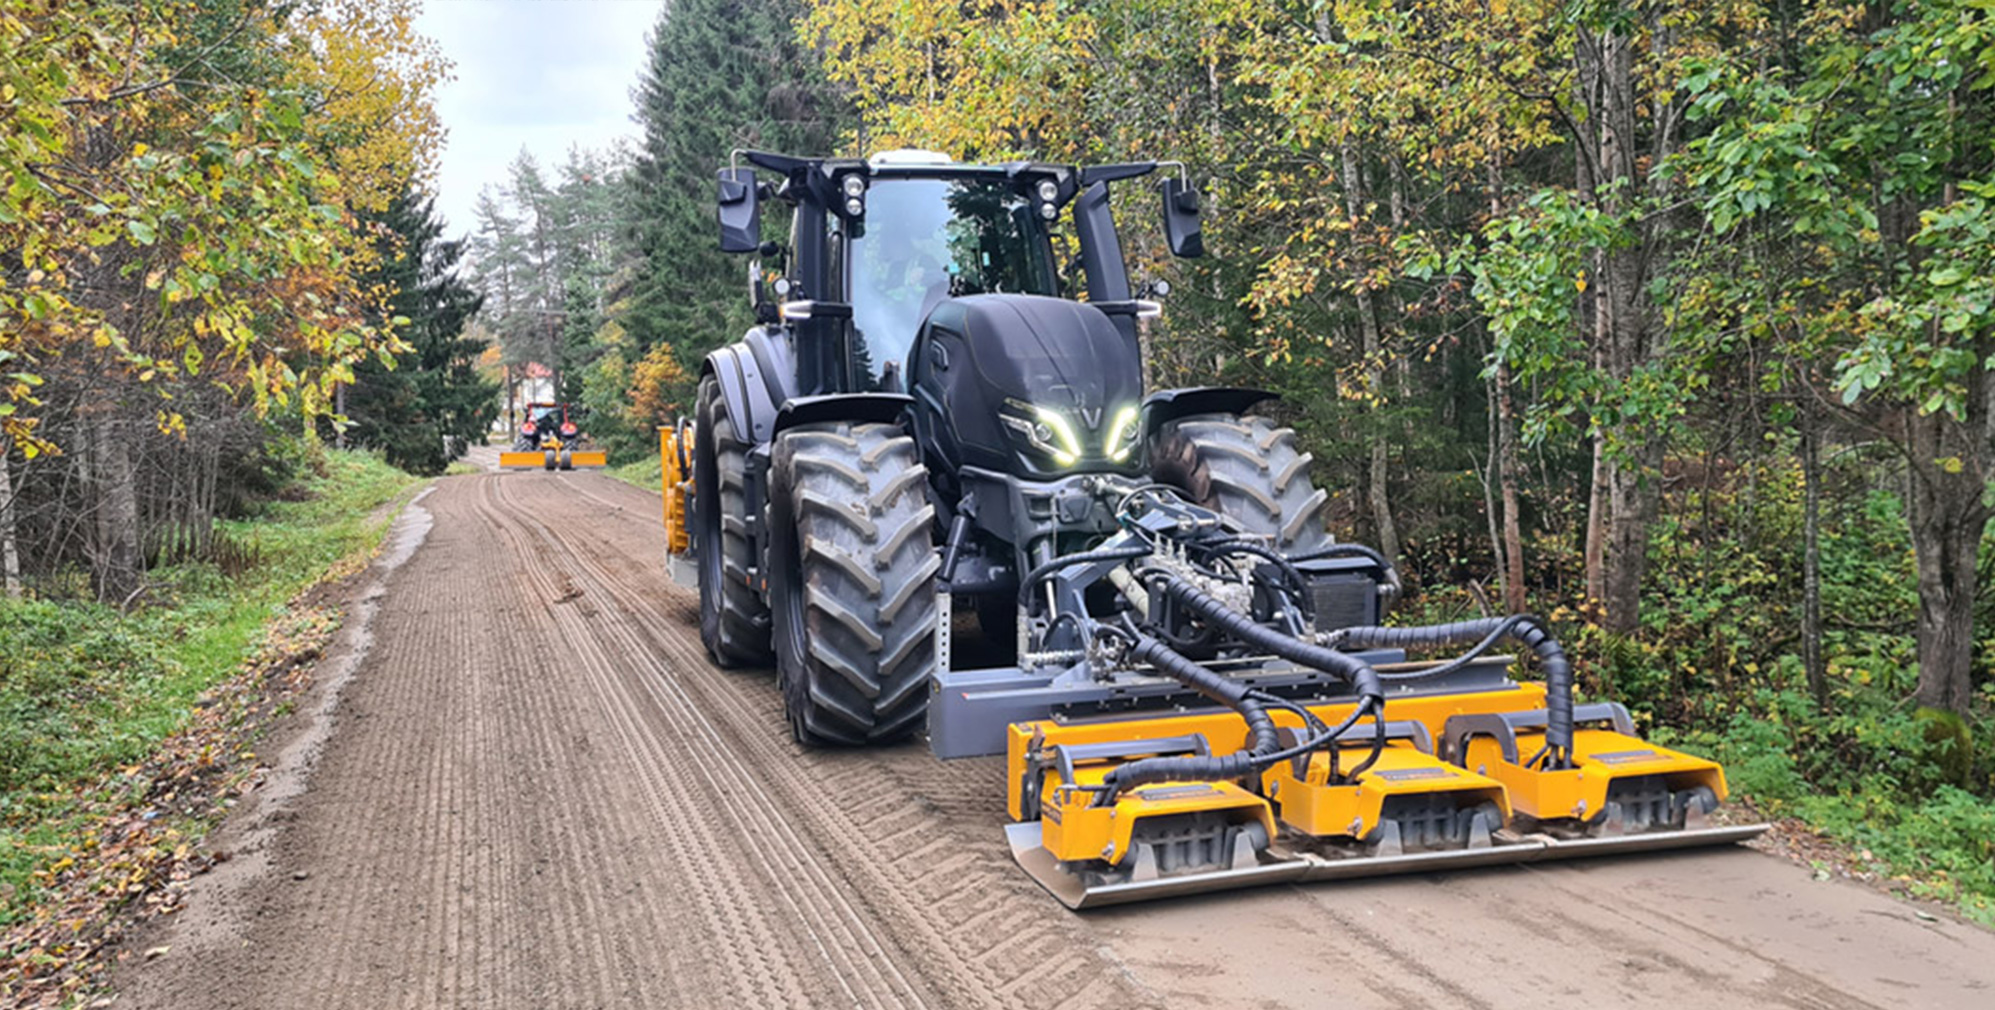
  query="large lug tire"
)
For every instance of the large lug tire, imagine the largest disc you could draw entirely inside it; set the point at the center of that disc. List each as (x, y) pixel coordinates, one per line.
(852, 582)
(734, 620)
(1247, 469)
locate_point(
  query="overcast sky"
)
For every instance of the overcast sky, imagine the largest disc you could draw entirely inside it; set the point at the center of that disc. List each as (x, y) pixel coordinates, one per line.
(540, 74)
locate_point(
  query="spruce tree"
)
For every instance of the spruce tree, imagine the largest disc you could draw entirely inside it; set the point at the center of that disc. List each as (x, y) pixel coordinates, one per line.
(723, 74)
(432, 404)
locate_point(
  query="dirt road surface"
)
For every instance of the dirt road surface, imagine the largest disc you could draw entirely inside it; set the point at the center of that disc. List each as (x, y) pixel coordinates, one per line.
(527, 788)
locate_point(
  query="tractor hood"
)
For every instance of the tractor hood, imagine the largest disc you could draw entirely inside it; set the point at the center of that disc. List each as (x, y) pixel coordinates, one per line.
(1030, 384)
(1050, 352)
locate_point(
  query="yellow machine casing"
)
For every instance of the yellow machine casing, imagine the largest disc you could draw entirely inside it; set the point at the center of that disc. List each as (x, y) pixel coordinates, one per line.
(673, 448)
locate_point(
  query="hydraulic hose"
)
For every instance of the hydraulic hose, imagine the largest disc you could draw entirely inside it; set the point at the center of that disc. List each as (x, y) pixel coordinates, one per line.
(1364, 680)
(1039, 574)
(1287, 568)
(1262, 738)
(1524, 629)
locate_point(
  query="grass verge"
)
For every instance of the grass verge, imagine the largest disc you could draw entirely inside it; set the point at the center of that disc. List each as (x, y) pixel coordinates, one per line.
(647, 473)
(94, 704)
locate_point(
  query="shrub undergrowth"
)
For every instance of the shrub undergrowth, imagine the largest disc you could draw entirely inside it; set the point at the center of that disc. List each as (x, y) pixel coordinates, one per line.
(85, 690)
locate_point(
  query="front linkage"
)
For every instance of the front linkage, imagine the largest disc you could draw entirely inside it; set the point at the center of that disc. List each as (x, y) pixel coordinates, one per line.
(1328, 755)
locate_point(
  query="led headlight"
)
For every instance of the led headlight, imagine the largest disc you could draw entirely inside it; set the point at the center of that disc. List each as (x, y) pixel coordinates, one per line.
(1123, 434)
(1044, 429)
(854, 186)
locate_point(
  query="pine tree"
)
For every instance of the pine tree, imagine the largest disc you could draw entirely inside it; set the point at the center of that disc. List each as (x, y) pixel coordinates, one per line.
(432, 404)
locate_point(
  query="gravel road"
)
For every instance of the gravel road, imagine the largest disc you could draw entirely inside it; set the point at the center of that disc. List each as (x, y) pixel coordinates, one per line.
(522, 785)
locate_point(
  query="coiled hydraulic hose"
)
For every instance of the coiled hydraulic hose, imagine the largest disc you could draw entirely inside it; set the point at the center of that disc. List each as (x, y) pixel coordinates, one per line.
(1261, 736)
(1364, 680)
(1264, 743)
(1524, 629)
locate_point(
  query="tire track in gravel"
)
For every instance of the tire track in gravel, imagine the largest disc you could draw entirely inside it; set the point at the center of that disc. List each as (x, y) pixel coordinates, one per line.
(620, 710)
(843, 797)
(701, 857)
(974, 909)
(537, 792)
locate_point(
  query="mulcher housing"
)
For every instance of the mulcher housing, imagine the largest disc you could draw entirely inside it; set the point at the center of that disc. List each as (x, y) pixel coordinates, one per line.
(1188, 679)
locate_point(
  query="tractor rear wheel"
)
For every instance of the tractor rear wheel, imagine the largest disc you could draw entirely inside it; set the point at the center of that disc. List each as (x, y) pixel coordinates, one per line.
(734, 621)
(1247, 469)
(852, 582)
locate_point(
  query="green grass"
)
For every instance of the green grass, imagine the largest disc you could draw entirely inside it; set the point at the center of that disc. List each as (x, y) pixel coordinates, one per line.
(85, 691)
(646, 473)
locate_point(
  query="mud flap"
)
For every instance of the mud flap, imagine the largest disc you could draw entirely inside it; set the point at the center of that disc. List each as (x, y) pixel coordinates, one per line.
(1076, 892)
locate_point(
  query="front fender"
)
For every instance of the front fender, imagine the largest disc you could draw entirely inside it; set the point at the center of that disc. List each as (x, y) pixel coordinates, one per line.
(755, 376)
(878, 408)
(1167, 405)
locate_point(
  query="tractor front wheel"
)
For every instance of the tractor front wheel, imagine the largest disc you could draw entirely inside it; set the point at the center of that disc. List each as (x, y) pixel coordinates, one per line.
(734, 622)
(1247, 469)
(852, 582)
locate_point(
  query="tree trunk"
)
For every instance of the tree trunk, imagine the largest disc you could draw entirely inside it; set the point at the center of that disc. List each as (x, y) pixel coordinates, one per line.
(1507, 466)
(118, 570)
(1596, 526)
(10, 554)
(1376, 491)
(1621, 331)
(1947, 520)
(1811, 553)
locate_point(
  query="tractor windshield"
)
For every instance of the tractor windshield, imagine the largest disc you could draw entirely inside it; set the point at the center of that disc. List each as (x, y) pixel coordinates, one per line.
(929, 239)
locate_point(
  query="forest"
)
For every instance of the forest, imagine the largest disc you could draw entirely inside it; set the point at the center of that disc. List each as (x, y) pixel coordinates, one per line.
(1666, 321)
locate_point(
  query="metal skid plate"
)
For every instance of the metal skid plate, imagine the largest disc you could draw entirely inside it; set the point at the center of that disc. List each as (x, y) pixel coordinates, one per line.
(1278, 866)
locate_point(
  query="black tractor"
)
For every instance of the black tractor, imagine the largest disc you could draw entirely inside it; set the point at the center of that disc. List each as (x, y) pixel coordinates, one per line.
(1191, 685)
(923, 414)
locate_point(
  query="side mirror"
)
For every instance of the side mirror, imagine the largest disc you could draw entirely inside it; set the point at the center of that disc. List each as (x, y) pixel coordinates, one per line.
(1181, 219)
(740, 216)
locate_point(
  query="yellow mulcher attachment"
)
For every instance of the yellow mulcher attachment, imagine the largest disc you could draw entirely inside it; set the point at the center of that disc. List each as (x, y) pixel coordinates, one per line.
(552, 455)
(1453, 786)
(675, 453)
